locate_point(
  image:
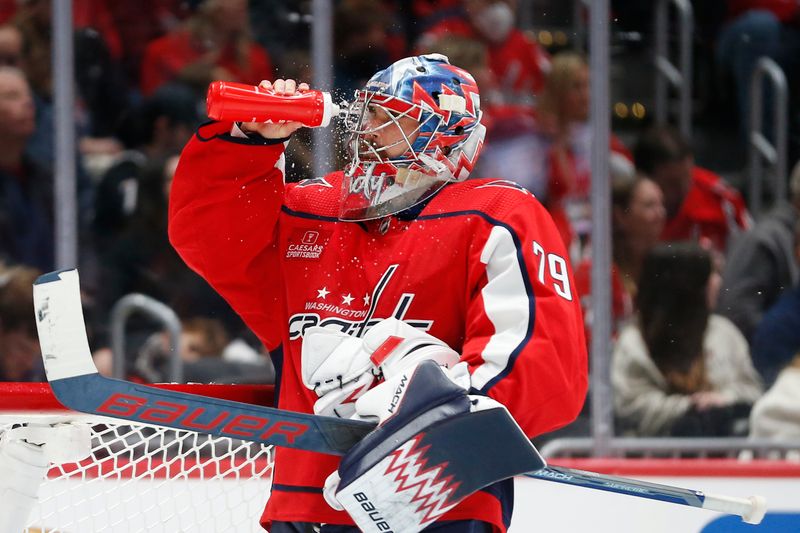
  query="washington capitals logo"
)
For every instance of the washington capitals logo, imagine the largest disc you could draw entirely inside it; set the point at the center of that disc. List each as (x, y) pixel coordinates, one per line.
(431, 488)
(353, 321)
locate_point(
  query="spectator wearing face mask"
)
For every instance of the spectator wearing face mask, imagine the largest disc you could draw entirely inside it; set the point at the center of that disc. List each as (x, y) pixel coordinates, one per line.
(519, 63)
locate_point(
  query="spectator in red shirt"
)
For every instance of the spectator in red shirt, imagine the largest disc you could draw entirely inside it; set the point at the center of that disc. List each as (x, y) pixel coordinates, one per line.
(638, 215)
(138, 23)
(214, 44)
(517, 61)
(700, 205)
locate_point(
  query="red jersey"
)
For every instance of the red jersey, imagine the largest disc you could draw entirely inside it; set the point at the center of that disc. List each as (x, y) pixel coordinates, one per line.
(480, 266)
(712, 210)
(166, 56)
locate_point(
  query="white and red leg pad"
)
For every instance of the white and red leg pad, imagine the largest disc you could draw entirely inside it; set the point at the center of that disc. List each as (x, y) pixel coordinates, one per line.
(438, 447)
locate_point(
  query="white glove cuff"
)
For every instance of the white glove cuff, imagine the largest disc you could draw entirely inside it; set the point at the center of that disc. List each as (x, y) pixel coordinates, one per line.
(395, 346)
(396, 363)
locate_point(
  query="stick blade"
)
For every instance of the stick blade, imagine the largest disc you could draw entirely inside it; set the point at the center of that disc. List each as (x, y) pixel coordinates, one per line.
(60, 324)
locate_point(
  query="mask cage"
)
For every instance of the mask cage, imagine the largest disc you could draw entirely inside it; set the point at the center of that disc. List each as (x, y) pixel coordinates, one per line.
(358, 122)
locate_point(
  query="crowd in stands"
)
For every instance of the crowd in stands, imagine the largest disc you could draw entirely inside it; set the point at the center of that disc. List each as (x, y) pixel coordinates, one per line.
(706, 302)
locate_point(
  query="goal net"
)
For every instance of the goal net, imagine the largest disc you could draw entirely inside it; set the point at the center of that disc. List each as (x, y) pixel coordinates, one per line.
(137, 477)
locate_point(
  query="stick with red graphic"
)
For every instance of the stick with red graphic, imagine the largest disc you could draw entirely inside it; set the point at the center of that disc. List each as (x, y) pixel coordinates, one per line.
(77, 384)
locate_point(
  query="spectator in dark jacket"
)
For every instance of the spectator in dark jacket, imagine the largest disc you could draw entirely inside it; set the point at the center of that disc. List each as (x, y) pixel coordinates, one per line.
(756, 29)
(776, 340)
(762, 265)
(152, 131)
(26, 204)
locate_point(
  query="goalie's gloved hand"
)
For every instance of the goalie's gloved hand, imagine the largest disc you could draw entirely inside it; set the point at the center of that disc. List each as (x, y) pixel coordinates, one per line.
(434, 446)
(340, 368)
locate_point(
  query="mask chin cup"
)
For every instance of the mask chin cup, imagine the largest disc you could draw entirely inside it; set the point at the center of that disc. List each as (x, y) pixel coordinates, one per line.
(369, 194)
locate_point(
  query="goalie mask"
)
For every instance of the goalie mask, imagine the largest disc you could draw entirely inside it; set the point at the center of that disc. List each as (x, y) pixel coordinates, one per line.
(413, 128)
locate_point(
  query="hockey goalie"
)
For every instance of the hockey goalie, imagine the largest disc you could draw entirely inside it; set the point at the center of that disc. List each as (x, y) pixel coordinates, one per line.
(394, 291)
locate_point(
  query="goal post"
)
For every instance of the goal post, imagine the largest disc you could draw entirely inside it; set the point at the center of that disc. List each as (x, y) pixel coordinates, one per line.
(128, 477)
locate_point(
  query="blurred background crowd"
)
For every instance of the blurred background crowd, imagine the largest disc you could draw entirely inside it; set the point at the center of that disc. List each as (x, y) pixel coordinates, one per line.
(706, 299)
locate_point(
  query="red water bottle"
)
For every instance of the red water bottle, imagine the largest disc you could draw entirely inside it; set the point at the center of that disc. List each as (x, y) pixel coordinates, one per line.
(239, 102)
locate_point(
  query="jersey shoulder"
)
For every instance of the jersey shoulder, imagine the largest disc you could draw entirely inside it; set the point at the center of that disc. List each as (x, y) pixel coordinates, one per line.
(316, 196)
(493, 197)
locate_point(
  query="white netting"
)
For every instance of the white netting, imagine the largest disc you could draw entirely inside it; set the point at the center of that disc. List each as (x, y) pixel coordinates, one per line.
(153, 479)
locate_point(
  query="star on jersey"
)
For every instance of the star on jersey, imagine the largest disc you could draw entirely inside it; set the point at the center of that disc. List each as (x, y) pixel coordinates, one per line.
(366, 299)
(323, 293)
(347, 299)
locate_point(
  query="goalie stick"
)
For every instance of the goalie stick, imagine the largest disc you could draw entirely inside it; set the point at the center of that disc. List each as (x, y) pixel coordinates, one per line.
(77, 384)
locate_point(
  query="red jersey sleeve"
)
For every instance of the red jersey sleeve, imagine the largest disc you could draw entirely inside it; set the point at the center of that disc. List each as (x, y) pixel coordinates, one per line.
(224, 205)
(525, 340)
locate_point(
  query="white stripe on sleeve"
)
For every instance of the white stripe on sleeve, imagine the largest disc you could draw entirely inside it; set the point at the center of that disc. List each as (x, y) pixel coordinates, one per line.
(506, 303)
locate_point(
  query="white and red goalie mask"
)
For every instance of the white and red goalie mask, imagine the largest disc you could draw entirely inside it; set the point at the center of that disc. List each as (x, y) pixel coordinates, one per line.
(413, 128)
